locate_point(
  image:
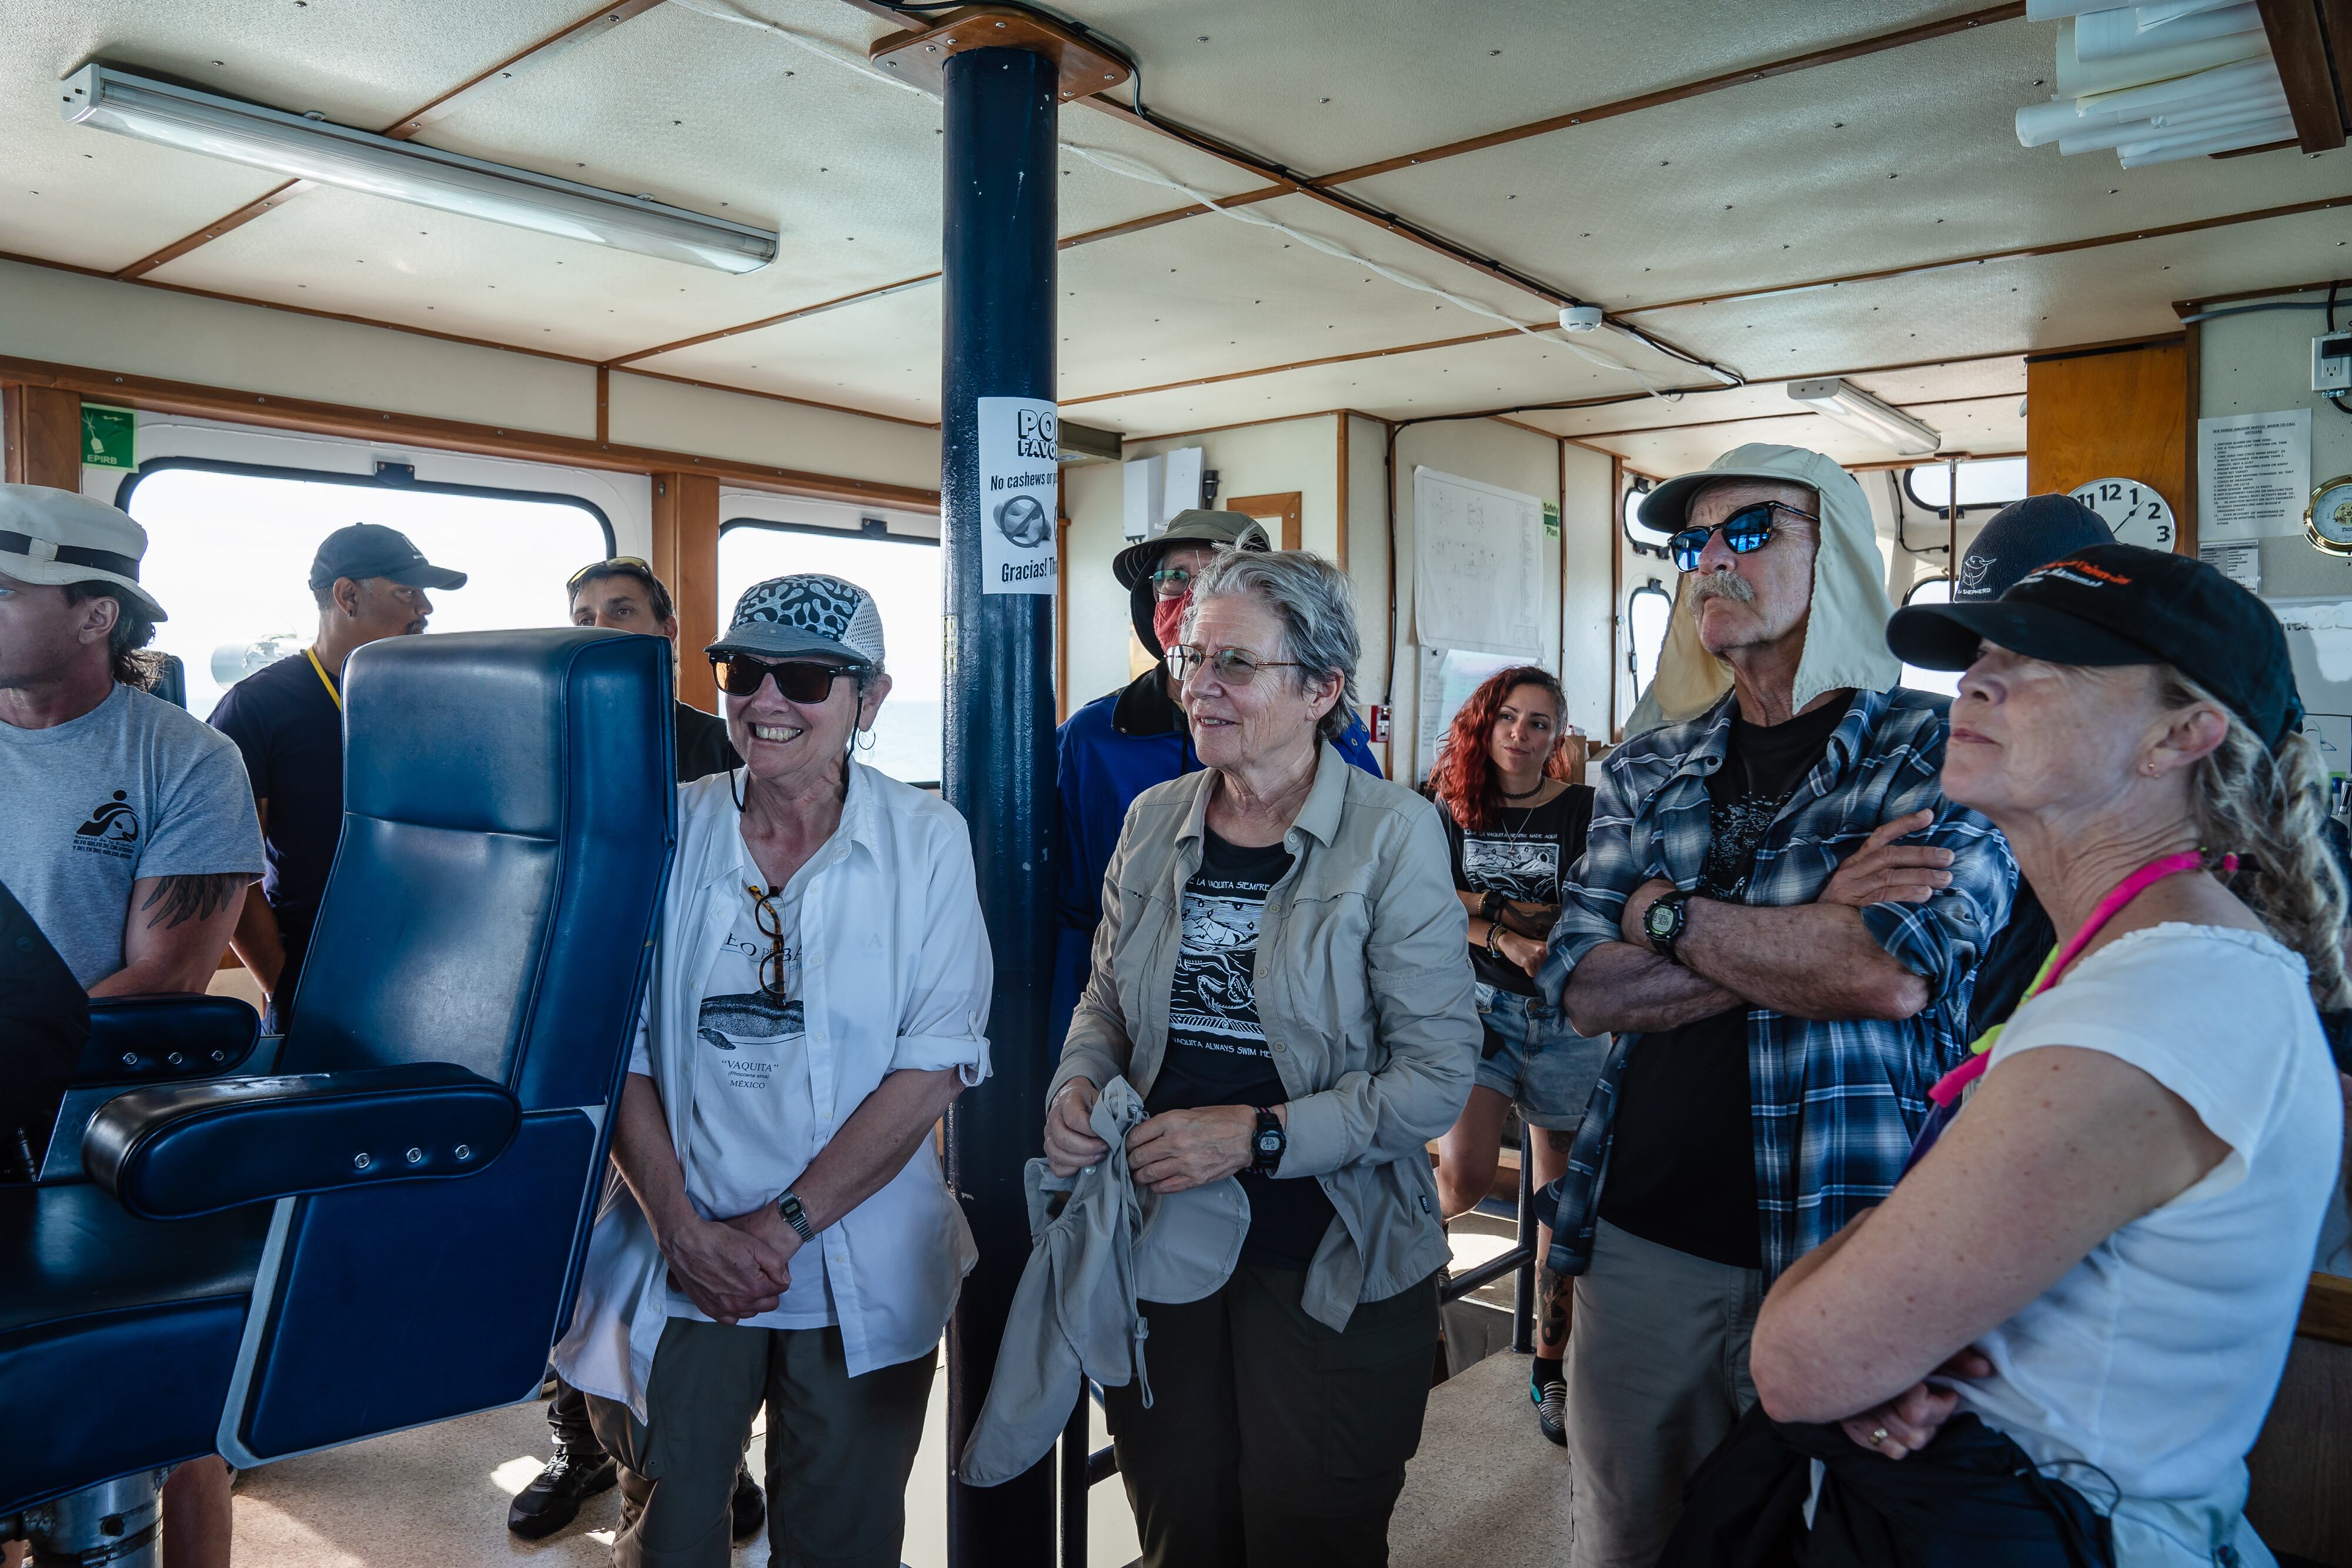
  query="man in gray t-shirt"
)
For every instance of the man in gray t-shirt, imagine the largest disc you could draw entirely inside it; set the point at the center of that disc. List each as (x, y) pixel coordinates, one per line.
(128, 833)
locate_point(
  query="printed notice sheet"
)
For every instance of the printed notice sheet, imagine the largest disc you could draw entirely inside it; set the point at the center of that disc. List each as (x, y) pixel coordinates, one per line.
(2254, 476)
(1478, 577)
(1018, 480)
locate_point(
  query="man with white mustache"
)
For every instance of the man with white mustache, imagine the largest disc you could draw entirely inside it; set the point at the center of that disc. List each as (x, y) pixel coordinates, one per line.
(1777, 916)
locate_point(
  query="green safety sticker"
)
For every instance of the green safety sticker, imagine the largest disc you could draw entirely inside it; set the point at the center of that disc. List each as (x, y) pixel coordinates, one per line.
(107, 436)
(1551, 521)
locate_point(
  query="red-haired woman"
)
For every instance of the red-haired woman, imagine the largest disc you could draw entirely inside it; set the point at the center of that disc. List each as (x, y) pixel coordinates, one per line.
(1516, 827)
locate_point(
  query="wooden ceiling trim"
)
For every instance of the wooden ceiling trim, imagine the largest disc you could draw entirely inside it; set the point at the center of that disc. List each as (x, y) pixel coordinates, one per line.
(771, 396)
(1836, 54)
(2299, 46)
(798, 313)
(596, 25)
(198, 401)
(2055, 248)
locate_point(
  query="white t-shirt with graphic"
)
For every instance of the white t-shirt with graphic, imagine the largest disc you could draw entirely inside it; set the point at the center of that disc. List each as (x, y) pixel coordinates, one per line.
(752, 1128)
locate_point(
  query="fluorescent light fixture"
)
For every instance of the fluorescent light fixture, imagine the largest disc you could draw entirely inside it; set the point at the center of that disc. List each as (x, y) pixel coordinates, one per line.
(1857, 409)
(309, 149)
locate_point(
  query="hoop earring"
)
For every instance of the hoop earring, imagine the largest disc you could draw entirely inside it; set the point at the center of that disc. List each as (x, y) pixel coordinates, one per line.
(866, 736)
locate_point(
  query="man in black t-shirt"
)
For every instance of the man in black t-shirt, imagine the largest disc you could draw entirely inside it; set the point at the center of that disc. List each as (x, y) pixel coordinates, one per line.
(623, 595)
(370, 583)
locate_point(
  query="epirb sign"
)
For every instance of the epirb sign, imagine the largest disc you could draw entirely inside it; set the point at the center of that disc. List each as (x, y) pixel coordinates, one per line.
(1019, 483)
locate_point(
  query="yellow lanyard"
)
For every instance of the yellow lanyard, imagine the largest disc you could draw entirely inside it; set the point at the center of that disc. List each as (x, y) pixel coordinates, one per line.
(313, 654)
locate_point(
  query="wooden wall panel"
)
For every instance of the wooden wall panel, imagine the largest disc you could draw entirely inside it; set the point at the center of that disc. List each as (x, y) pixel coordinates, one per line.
(2120, 413)
(685, 557)
(43, 436)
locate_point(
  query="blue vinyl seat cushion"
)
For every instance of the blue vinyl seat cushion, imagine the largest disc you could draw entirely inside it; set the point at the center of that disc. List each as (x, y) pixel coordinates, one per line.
(118, 1335)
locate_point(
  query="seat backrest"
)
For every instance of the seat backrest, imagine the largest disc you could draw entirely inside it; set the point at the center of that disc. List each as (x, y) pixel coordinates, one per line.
(509, 809)
(509, 812)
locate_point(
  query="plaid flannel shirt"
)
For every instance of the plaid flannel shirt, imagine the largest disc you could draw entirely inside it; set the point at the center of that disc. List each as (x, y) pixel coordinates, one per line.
(1834, 1103)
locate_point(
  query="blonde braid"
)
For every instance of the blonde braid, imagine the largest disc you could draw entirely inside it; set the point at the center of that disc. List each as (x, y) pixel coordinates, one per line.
(2268, 807)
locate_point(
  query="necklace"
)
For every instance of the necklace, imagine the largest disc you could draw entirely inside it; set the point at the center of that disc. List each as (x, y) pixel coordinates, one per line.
(1505, 794)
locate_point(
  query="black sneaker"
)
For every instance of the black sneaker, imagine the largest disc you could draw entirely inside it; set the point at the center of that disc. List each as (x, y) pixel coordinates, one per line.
(552, 1500)
(747, 1508)
(1551, 1400)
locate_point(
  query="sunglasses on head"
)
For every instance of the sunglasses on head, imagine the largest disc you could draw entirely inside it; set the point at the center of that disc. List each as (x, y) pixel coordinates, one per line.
(1745, 530)
(1232, 666)
(797, 680)
(634, 565)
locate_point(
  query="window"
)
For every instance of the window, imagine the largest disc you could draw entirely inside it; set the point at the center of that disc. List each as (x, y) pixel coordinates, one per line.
(1985, 482)
(1645, 541)
(1647, 609)
(1931, 590)
(229, 549)
(902, 573)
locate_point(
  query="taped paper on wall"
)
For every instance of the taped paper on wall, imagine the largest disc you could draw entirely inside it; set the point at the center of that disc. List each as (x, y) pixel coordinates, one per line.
(1019, 489)
(2254, 476)
(1448, 676)
(1479, 578)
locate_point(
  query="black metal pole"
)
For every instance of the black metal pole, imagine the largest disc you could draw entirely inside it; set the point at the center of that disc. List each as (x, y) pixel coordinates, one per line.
(997, 262)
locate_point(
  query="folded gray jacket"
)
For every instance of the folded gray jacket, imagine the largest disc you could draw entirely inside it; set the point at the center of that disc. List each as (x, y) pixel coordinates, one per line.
(1075, 1315)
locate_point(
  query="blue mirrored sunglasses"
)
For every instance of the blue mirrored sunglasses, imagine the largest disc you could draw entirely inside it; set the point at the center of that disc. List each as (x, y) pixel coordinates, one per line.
(1745, 530)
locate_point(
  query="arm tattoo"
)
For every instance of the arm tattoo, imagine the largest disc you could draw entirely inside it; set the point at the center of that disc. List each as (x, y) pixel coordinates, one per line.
(194, 897)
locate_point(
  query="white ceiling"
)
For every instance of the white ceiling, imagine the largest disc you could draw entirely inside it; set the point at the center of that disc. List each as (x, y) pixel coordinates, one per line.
(1898, 159)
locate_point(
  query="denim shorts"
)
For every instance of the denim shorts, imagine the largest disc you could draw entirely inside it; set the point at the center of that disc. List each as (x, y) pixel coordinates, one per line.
(1545, 1067)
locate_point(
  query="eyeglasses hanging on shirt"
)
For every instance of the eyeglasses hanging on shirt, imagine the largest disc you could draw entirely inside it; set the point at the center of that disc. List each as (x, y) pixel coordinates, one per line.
(772, 969)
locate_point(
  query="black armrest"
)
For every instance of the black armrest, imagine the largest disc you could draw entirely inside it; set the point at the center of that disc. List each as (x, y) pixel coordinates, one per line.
(141, 1040)
(174, 1151)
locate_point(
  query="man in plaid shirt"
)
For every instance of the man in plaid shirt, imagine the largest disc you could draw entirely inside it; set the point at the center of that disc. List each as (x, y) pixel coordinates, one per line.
(1778, 915)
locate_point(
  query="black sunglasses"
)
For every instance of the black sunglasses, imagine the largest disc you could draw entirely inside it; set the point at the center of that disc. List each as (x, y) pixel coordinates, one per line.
(1745, 530)
(802, 681)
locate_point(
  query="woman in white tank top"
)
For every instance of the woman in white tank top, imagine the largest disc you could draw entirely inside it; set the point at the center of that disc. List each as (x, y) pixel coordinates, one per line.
(2104, 1253)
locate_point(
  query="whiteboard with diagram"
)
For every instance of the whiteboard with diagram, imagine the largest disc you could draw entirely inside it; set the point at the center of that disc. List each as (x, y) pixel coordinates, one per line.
(1479, 578)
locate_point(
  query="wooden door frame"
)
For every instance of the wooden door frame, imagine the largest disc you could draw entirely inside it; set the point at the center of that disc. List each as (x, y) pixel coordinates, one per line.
(1289, 506)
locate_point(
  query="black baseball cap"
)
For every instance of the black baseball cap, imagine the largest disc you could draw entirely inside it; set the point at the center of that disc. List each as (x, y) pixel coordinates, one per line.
(2122, 604)
(2021, 535)
(370, 550)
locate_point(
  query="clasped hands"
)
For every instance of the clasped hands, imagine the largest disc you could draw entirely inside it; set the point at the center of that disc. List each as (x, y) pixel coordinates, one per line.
(1880, 872)
(732, 1269)
(1172, 1152)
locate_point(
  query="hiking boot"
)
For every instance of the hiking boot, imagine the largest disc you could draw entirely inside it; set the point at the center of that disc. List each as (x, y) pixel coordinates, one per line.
(552, 1500)
(747, 1510)
(1551, 1400)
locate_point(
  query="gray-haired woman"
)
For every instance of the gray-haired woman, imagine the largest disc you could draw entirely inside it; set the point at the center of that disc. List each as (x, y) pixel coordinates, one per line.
(1282, 972)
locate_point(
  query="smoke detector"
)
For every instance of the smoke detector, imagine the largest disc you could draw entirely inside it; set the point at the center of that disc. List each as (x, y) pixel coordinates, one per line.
(1578, 318)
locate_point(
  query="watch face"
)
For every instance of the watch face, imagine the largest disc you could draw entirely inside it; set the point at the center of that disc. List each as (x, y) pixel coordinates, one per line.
(1269, 1143)
(2136, 513)
(2329, 520)
(1660, 918)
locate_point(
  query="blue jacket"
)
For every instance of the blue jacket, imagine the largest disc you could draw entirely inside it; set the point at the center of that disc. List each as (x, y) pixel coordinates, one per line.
(1110, 751)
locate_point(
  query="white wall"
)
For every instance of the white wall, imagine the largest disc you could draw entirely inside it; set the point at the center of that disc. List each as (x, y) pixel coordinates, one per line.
(2260, 362)
(98, 323)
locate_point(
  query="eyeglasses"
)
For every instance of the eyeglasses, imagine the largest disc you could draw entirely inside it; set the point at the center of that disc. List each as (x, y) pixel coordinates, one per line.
(629, 563)
(1746, 531)
(1232, 666)
(1172, 582)
(802, 681)
(771, 926)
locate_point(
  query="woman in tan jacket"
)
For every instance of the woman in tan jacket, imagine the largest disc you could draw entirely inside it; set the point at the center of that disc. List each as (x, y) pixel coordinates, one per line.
(1282, 972)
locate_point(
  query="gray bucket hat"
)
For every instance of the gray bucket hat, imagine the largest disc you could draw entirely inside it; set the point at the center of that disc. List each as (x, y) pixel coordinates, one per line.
(1231, 530)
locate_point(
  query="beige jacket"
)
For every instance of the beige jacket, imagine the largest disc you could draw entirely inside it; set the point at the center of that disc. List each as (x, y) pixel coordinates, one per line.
(1363, 984)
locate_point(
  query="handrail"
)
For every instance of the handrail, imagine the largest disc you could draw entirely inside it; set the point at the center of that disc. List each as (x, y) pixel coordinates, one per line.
(1079, 1469)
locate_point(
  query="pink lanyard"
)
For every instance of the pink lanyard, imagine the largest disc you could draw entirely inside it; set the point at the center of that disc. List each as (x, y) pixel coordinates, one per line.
(1949, 1088)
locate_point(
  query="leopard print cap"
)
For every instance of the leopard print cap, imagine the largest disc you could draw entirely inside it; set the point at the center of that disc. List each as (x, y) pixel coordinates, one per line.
(840, 613)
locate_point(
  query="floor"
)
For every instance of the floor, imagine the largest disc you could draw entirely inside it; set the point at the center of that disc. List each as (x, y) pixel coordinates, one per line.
(1484, 1487)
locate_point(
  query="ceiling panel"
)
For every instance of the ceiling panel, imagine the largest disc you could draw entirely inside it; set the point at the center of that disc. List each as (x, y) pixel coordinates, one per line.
(1844, 169)
(1322, 85)
(879, 354)
(1983, 426)
(82, 196)
(2002, 376)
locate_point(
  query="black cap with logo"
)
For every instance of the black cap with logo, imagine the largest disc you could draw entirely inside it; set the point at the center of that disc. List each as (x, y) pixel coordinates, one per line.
(370, 549)
(2021, 535)
(2121, 604)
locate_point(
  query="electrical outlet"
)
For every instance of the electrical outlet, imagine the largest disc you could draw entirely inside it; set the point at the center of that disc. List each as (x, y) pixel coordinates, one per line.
(2331, 363)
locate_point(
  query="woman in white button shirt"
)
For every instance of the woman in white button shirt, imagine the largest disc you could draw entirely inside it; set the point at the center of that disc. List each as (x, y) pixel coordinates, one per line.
(2103, 1257)
(781, 1234)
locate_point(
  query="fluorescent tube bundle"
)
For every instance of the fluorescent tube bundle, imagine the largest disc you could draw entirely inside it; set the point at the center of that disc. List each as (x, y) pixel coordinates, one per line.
(2159, 82)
